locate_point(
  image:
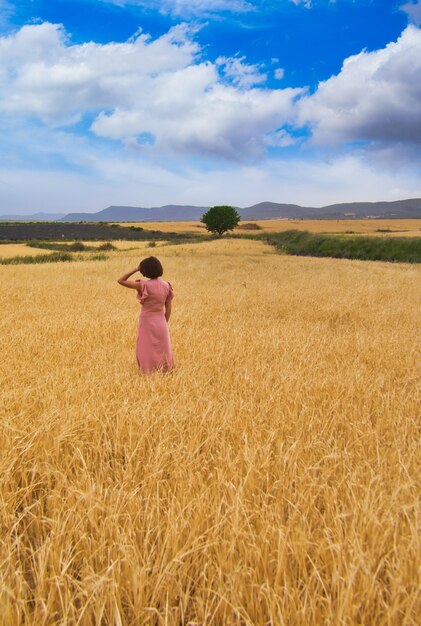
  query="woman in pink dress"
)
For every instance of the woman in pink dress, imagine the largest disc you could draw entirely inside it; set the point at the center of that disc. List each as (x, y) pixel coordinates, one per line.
(153, 344)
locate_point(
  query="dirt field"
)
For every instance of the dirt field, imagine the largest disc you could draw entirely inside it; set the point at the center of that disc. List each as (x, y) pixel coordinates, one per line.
(272, 478)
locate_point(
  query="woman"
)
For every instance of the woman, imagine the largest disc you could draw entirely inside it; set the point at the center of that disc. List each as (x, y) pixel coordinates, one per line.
(153, 344)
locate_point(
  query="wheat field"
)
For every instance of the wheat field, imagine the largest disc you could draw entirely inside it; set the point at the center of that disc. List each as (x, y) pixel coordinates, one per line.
(272, 478)
(10, 250)
(388, 227)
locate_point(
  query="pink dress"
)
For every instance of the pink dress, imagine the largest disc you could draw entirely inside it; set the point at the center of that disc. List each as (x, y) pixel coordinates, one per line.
(153, 344)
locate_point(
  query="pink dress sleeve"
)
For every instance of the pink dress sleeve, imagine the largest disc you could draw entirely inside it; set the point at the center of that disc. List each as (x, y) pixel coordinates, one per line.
(170, 293)
(143, 293)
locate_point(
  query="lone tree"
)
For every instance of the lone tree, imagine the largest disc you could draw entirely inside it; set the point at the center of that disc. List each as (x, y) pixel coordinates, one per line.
(220, 219)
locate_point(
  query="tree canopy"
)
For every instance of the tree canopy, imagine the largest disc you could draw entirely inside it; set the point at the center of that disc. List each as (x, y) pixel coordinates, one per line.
(219, 219)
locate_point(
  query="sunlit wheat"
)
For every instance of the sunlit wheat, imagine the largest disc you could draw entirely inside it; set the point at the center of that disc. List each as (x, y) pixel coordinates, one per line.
(272, 478)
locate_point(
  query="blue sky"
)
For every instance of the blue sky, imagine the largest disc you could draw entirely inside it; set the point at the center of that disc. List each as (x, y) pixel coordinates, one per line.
(147, 102)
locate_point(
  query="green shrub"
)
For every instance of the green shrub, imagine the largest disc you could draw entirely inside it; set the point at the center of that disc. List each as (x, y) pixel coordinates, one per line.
(44, 245)
(249, 226)
(56, 257)
(77, 246)
(106, 246)
(98, 257)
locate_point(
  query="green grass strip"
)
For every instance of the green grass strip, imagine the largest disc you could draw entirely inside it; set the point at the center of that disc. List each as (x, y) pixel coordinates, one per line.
(77, 246)
(57, 257)
(304, 243)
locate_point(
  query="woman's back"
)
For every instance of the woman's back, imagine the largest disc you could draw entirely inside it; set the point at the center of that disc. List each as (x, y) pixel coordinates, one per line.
(154, 294)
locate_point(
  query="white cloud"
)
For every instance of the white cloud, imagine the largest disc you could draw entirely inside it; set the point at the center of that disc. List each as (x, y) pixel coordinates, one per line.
(208, 8)
(42, 74)
(206, 118)
(239, 73)
(188, 8)
(159, 87)
(128, 181)
(98, 175)
(375, 98)
(279, 73)
(161, 91)
(413, 10)
(306, 3)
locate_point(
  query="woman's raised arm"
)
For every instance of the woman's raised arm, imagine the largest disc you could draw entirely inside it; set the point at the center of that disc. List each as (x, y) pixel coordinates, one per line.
(130, 283)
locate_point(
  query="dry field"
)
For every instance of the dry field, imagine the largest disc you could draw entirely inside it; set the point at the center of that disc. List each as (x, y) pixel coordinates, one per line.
(401, 228)
(9, 250)
(272, 478)
(125, 244)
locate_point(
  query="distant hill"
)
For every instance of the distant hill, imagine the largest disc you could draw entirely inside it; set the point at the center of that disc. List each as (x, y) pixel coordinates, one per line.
(352, 210)
(35, 217)
(264, 210)
(167, 213)
(397, 209)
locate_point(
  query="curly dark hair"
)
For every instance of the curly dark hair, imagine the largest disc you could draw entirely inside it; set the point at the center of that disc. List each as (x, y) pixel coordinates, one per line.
(151, 267)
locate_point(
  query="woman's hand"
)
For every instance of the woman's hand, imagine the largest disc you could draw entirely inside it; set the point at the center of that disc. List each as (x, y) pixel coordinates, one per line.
(127, 283)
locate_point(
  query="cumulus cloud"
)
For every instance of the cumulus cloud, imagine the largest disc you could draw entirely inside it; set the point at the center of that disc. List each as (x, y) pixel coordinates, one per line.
(375, 98)
(42, 74)
(208, 118)
(159, 89)
(413, 10)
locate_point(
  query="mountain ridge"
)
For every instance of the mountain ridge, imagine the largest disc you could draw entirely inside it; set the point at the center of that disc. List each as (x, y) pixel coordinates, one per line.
(410, 208)
(403, 209)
